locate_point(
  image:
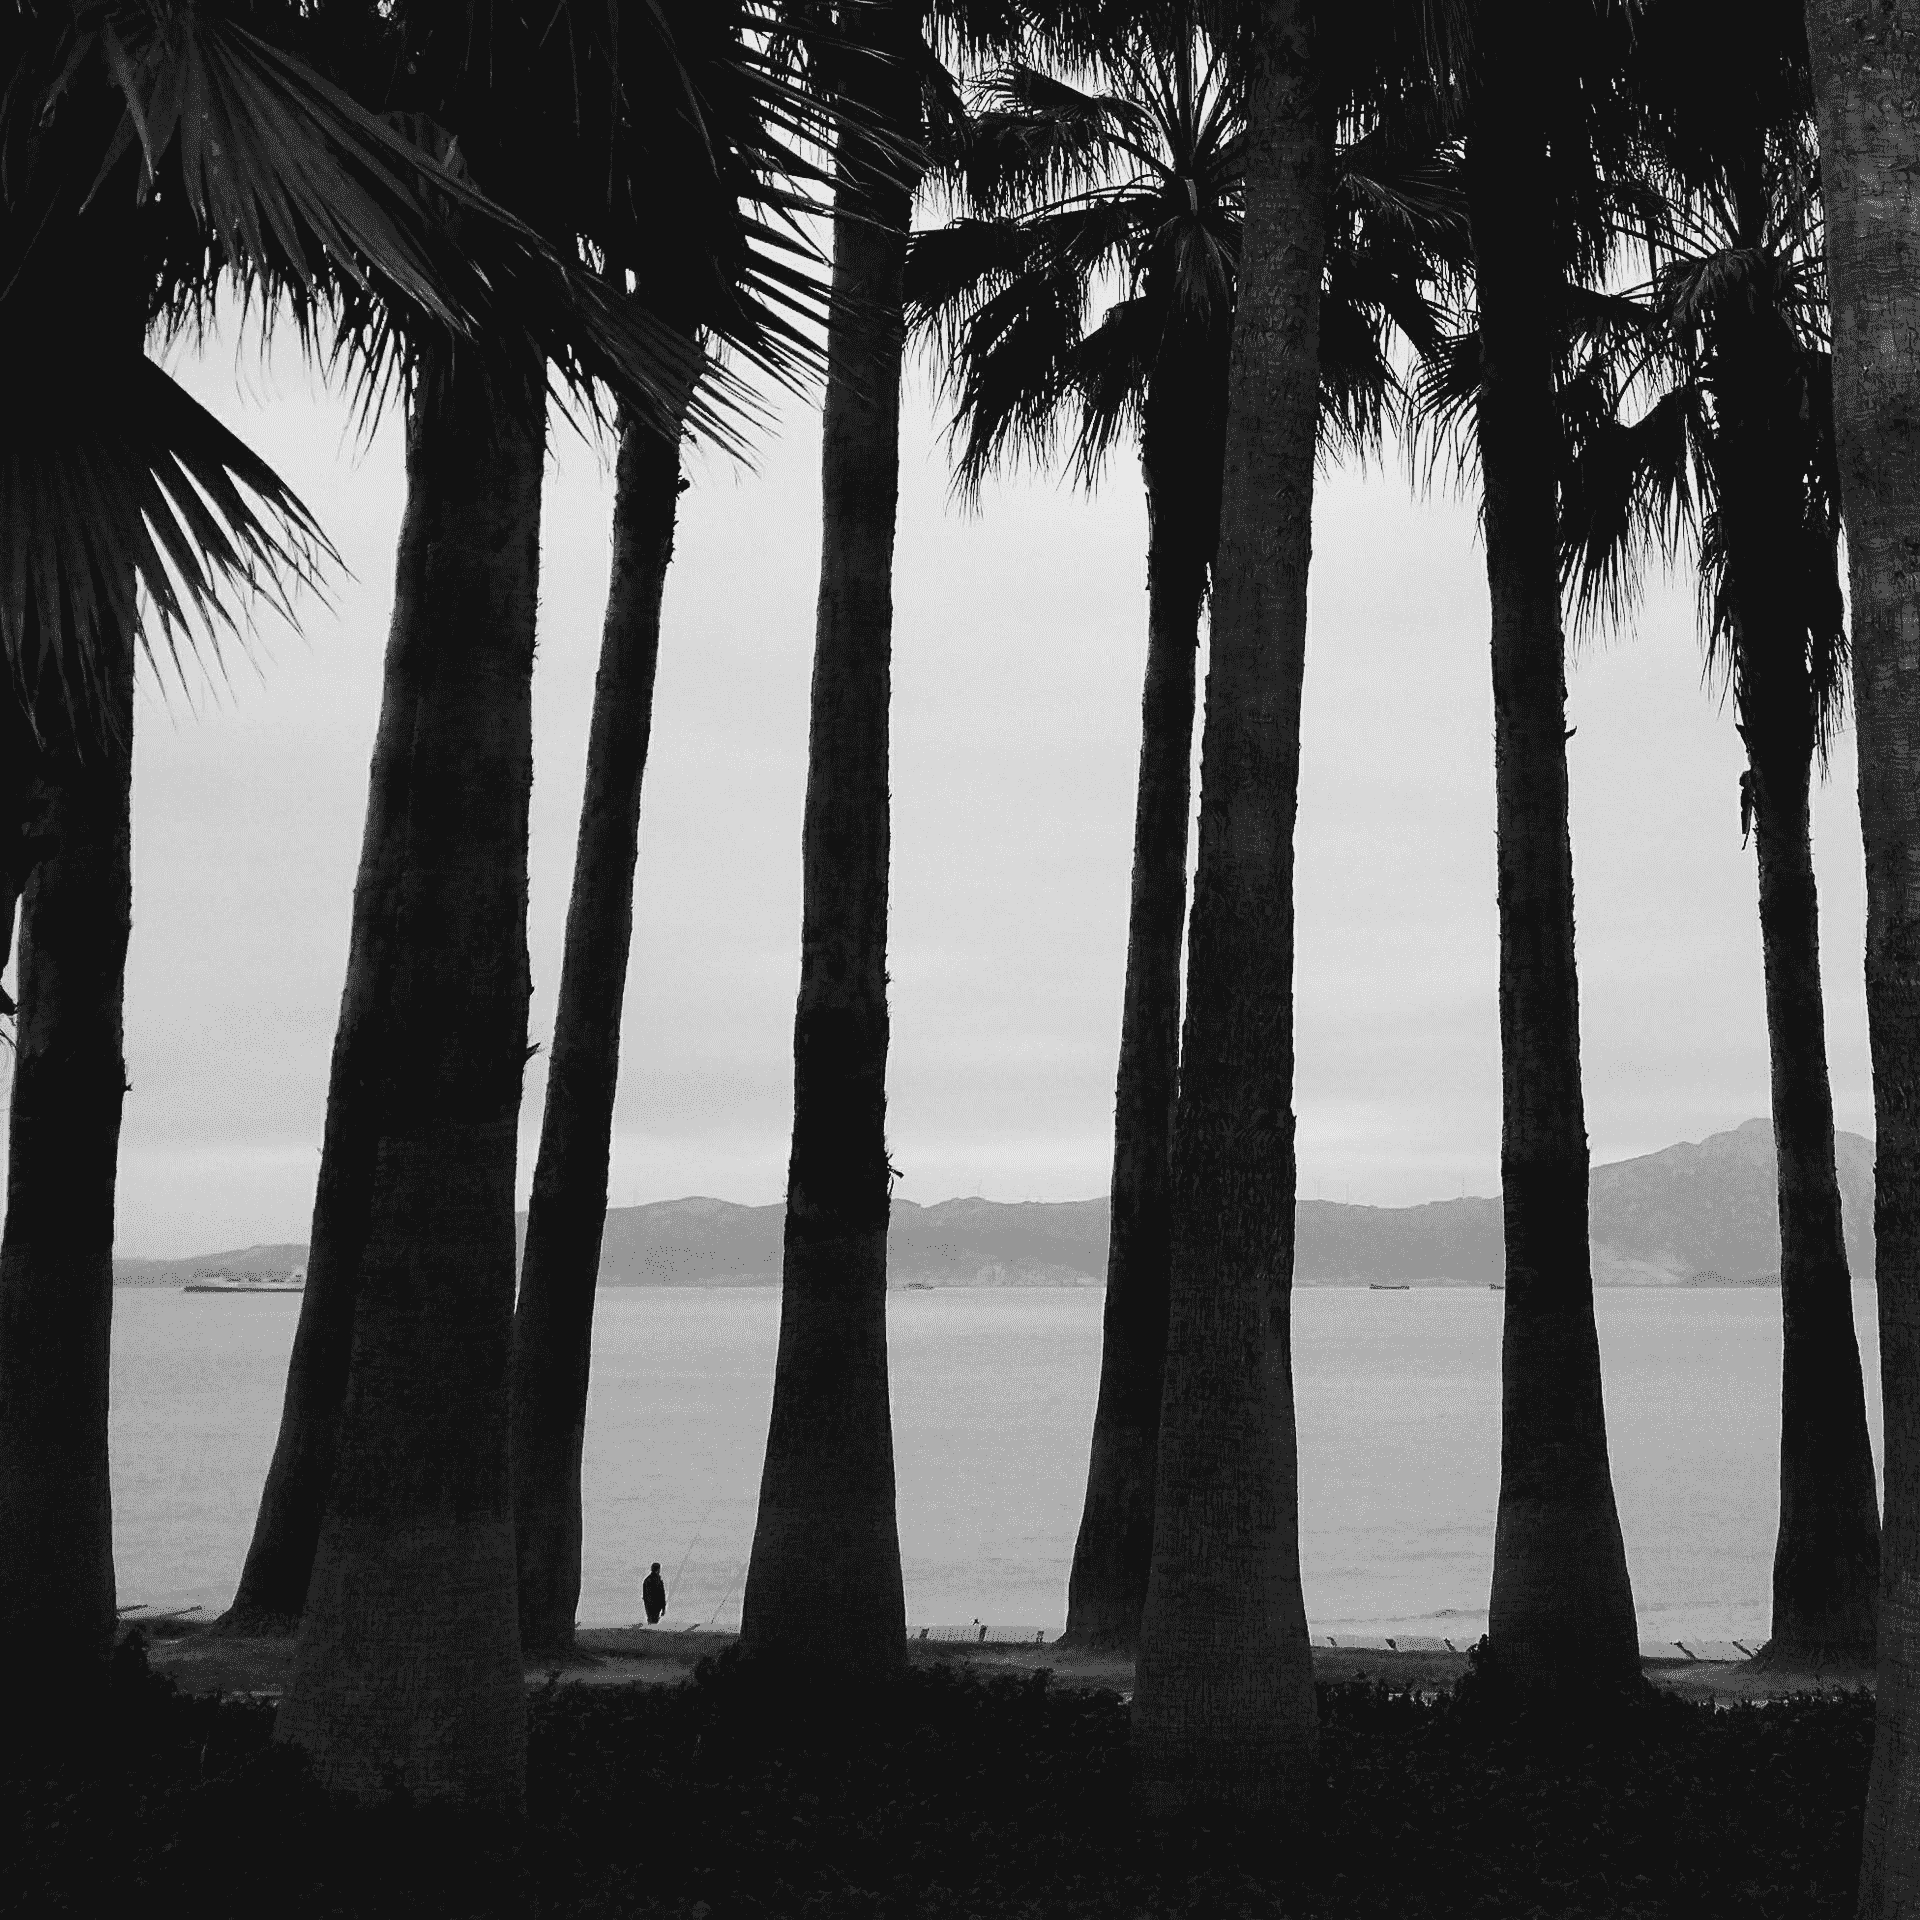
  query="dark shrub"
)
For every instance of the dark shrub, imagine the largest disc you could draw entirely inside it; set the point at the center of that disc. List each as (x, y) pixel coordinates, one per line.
(738, 1797)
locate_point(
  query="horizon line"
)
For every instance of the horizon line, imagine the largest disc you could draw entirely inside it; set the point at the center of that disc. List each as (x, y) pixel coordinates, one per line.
(926, 1206)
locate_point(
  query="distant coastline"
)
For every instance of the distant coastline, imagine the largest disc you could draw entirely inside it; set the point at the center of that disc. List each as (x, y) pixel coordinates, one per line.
(1693, 1215)
(141, 1275)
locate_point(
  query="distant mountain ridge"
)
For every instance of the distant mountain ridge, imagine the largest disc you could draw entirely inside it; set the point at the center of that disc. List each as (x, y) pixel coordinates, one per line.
(280, 1256)
(1696, 1214)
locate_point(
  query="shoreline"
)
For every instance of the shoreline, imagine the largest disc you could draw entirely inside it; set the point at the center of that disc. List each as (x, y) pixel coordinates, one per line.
(199, 1660)
(1084, 1283)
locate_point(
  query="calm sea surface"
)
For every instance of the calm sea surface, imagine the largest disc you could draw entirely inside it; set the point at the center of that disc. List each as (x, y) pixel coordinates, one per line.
(993, 1402)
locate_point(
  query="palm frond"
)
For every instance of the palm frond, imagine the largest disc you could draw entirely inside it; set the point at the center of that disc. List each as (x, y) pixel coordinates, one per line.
(296, 190)
(1628, 495)
(1035, 138)
(1445, 398)
(1197, 262)
(1133, 166)
(1691, 288)
(1014, 372)
(1358, 385)
(115, 482)
(950, 270)
(1412, 193)
(157, 157)
(1725, 347)
(1109, 372)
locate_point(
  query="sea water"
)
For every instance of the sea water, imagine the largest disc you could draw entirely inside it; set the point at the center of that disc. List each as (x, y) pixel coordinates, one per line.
(993, 1392)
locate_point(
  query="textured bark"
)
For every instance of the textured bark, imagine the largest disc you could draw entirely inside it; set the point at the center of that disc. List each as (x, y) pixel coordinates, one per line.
(826, 1540)
(1561, 1609)
(1780, 591)
(1108, 1584)
(18, 758)
(1223, 1714)
(1866, 58)
(407, 1673)
(1826, 1563)
(273, 1582)
(56, 1254)
(553, 1322)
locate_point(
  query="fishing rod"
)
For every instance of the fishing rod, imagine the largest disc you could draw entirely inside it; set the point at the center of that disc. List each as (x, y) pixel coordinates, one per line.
(700, 1527)
(728, 1595)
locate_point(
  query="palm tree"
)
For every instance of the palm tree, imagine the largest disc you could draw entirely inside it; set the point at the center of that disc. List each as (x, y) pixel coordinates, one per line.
(1561, 1609)
(1734, 454)
(16, 769)
(1068, 187)
(417, 1521)
(553, 1316)
(154, 153)
(730, 269)
(595, 83)
(1223, 1711)
(827, 1487)
(56, 1260)
(1870, 180)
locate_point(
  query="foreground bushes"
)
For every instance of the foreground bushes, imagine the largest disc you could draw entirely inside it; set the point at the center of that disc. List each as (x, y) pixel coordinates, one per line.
(952, 1797)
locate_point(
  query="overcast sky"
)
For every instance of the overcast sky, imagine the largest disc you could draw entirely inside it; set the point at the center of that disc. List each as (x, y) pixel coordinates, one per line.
(1018, 650)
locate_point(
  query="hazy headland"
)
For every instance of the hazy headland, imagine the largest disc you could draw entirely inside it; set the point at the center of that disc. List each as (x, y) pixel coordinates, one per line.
(1690, 1215)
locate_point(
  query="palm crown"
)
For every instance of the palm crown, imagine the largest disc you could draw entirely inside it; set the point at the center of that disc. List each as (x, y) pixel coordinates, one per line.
(154, 153)
(1725, 340)
(1135, 182)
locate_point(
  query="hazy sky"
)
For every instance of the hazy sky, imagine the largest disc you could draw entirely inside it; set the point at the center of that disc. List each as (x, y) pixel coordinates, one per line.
(1018, 651)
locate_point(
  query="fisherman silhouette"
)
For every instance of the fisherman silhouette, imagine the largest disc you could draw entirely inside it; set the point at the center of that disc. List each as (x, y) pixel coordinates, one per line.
(653, 1595)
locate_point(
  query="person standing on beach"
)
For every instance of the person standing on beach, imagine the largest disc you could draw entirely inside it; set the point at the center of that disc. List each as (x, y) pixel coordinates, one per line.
(653, 1595)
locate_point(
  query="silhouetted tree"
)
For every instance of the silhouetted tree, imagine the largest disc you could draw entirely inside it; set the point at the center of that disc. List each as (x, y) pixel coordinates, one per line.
(1866, 67)
(1724, 352)
(153, 156)
(826, 1532)
(1223, 1711)
(725, 262)
(406, 1670)
(1137, 175)
(826, 1524)
(1537, 186)
(561, 129)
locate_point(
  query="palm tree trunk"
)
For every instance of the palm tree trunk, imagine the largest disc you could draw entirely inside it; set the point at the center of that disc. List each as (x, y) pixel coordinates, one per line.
(827, 1538)
(1866, 61)
(56, 1254)
(407, 1669)
(273, 1583)
(1108, 1584)
(1224, 1712)
(18, 757)
(1826, 1563)
(553, 1323)
(1561, 1608)
(1826, 1566)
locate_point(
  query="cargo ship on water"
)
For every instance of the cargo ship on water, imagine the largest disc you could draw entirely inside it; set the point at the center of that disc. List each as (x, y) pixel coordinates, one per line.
(294, 1282)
